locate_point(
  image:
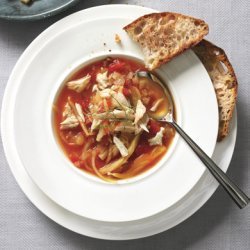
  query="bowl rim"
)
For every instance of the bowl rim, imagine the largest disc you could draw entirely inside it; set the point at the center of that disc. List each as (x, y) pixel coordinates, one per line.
(170, 150)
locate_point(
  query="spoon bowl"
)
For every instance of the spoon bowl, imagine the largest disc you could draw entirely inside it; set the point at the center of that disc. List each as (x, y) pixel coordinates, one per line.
(169, 111)
(237, 195)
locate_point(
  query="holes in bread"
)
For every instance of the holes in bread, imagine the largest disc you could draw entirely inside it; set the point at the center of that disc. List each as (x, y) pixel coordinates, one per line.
(193, 32)
(137, 30)
(152, 28)
(229, 84)
(171, 17)
(169, 31)
(142, 24)
(183, 33)
(163, 21)
(209, 67)
(197, 23)
(173, 44)
(222, 68)
(142, 38)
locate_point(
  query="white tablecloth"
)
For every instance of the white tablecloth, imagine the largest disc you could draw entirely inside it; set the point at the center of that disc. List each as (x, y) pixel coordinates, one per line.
(219, 224)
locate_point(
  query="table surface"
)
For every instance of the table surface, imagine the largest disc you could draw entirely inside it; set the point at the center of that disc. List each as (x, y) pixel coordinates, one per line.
(219, 224)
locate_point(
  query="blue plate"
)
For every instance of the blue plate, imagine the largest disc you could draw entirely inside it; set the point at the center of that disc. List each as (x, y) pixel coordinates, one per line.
(39, 9)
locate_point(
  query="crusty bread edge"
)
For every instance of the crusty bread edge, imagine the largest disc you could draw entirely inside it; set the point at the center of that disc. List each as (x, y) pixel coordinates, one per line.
(225, 60)
(179, 51)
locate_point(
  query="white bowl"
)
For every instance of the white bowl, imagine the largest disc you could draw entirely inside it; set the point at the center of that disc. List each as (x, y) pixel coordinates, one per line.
(85, 174)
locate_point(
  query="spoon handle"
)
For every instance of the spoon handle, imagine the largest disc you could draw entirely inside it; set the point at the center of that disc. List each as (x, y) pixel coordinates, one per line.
(239, 197)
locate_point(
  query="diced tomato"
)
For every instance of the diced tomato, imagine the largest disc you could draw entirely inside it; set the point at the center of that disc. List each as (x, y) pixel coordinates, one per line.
(128, 83)
(99, 163)
(117, 65)
(101, 107)
(107, 61)
(106, 128)
(94, 73)
(154, 127)
(109, 102)
(142, 149)
(73, 157)
(88, 120)
(85, 103)
(125, 91)
(166, 140)
(80, 164)
(105, 140)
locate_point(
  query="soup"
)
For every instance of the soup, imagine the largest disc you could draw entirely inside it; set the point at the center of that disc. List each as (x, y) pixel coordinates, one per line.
(103, 120)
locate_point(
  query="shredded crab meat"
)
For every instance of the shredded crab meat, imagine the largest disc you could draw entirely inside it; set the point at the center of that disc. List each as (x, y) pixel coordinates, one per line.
(78, 116)
(70, 120)
(115, 114)
(121, 147)
(120, 99)
(80, 84)
(79, 111)
(67, 111)
(95, 88)
(95, 124)
(104, 153)
(102, 80)
(100, 134)
(109, 168)
(157, 139)
(117, 79)
(142, 124)
(107, 93)
(140, 111)
(125, 128)
(115, 87)
(107, 153)
(93, 159)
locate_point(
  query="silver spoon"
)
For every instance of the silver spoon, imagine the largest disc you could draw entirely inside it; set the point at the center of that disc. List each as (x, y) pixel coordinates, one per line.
(239, 197)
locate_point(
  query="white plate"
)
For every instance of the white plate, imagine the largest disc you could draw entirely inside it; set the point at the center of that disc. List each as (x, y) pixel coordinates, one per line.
(26, 118)
(135, 229)
(117, 231)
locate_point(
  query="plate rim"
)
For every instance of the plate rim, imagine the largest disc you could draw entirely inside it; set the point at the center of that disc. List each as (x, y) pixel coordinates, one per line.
(22, 185)
(81, 209)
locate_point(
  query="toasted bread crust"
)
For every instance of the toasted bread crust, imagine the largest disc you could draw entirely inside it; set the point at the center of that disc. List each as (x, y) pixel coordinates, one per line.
(157, 30)
(224, 80)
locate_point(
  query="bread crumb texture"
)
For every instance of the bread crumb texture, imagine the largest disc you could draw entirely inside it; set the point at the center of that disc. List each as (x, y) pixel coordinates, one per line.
(162, 36)
(224, 80)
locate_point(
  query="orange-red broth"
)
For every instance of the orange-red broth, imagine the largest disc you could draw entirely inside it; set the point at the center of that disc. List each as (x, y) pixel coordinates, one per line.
(150, 155)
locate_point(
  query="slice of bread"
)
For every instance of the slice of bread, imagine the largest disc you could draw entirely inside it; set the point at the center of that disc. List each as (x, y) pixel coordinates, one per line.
(224, 80)
(163, 36)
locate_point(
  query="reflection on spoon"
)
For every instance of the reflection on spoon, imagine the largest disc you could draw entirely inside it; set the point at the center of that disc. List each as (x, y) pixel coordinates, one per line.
(239, 197)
